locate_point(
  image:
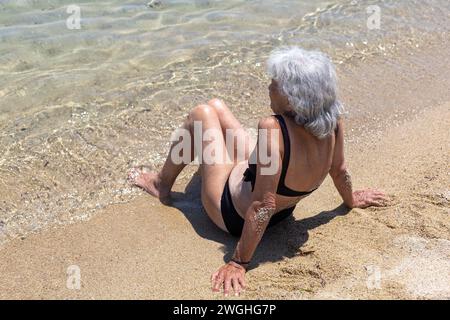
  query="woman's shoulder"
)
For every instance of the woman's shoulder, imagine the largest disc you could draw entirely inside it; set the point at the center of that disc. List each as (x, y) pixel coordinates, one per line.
(269, 122)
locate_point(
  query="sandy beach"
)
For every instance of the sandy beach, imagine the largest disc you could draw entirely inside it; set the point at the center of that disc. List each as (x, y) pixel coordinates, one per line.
(397, 140)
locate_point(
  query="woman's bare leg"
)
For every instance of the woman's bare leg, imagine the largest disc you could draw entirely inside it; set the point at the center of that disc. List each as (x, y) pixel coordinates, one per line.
(229, 122)
(159, 184)
(214, 175)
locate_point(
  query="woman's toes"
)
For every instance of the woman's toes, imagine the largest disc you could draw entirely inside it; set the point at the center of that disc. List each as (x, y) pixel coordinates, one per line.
(133, 174)
(137, 172)
(150, 181)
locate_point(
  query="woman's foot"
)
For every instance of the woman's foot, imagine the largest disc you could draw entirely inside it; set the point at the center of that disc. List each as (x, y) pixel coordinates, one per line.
(150, 182)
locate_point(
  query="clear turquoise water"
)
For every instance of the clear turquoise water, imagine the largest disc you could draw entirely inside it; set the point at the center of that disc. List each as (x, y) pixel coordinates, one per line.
(79, 107)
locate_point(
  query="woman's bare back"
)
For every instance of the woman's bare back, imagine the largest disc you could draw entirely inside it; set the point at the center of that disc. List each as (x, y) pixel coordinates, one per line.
(309, 163)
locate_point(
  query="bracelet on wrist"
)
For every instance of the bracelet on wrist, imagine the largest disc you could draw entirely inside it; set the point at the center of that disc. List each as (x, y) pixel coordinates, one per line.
(241, 263)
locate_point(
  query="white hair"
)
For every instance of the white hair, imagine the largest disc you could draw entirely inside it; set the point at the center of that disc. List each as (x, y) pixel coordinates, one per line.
(308, 80)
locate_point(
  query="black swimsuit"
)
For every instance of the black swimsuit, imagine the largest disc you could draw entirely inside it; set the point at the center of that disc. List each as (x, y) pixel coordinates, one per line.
(233, 221)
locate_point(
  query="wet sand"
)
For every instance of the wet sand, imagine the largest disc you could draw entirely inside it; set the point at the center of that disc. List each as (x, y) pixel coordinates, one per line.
(145, 250)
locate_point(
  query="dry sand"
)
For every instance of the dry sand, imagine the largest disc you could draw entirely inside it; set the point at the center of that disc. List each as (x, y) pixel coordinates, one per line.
(146, 250)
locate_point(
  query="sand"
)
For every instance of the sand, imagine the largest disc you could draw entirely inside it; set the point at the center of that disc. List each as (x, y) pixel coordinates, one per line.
(145, 250)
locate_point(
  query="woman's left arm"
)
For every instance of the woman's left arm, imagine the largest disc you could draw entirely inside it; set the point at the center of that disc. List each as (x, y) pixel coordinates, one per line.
(232, 275)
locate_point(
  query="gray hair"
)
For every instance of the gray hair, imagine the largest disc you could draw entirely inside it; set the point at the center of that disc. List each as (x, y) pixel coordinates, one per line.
(308, 80)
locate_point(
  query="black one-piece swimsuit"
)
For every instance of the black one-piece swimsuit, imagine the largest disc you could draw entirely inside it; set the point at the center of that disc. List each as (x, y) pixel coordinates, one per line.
(233, 221)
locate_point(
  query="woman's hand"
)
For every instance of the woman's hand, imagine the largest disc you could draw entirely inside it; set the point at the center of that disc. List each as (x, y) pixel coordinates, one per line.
(366, 198)
(230, 277)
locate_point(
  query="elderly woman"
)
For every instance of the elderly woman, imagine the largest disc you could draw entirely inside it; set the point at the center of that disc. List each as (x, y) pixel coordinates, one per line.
(304, 139)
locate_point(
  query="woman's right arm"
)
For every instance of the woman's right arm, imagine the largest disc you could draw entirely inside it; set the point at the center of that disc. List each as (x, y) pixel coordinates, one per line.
(343, 181)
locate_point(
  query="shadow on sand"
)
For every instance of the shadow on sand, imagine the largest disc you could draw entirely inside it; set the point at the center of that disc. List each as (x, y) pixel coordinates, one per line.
(282, 240)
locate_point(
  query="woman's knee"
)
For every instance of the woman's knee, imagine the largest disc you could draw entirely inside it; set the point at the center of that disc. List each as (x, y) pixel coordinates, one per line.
(218, 105)
(202, 111)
